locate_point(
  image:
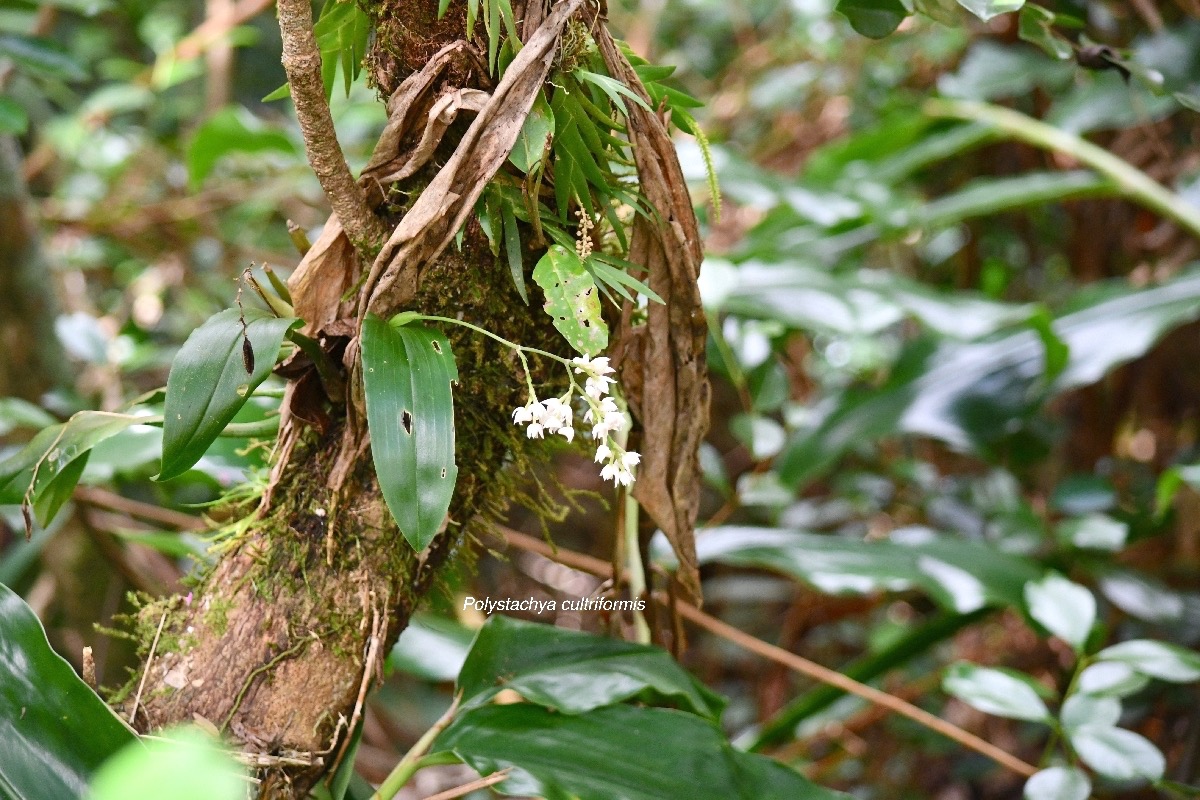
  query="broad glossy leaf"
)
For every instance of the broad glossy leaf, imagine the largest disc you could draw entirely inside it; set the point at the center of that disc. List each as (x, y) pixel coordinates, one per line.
(1089, 709)
(859, 303)
(574, 672)
(873, 18)
(995, 692)
(209, 382)
(1161, 660)
(1117, 753)
(572, 300)
(1064, 608)
(178, 764)
(54, 731)
(969, 394)
(986, 9)
(51, 464)
(229, 131)
(616, 753)
(431, 648)
(1111, 679)
(959, 575)
(1058, 783)
(408, 372)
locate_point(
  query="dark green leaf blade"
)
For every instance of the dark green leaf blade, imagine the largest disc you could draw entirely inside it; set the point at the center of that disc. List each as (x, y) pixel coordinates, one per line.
(873, 18)
(208, 382)
(41, 56)
(54, 730)
(630, 754)
(574, 672)
(408, 373)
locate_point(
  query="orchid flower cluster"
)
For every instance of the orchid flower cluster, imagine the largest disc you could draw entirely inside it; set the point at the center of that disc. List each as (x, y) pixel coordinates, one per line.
(556, 416)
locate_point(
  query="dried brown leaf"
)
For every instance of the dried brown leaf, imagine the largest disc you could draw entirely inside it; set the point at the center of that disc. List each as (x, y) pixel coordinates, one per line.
(674, 380)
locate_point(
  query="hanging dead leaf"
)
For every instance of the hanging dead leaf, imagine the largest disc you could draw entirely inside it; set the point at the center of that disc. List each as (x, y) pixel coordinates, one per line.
(674, 381)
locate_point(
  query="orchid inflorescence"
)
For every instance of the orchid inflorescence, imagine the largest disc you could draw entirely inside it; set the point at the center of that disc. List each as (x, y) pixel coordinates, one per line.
(555, 415)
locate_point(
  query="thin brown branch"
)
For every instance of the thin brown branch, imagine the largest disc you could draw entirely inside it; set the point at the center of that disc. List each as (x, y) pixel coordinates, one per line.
(302, 62)
(102, 498)
(467, 788)
(780, 656)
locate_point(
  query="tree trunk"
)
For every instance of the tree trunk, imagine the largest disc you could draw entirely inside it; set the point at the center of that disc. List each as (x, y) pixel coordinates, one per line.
(31, 360)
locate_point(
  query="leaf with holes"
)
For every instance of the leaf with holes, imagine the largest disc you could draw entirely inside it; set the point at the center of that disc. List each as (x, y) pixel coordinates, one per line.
(572, 300)
(208, 383)
(408, 371)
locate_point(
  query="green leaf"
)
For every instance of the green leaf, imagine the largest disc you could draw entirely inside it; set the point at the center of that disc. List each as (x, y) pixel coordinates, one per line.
(1035, 25)
(537, 130)
(209, 383)
(1089, 709)
(178, 764)
(229, 131)
(408, 372)
(55, 731)
(1066, 609)
(1161, 660)
(863, 302)
(512, 249)
(1111, 679)
(1058, 783)
(572, 300)
(995, 692)
(13, 118)
(616, 753)
(41, 57)
(573, 672)
(1117, 753)
(614, 89)
(959, 575)
(431, 648)
(1094, 532)
(970, 394)
(873, 18)
(986, 9)
(49, 467)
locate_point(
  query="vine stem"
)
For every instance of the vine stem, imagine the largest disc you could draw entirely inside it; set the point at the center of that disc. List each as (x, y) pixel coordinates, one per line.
(1132, 183)
(788, 659)
(302, 62)
(412, 760)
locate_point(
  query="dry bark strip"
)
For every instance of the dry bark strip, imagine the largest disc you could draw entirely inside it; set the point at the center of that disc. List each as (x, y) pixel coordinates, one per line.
(673, 373)
(444, 206)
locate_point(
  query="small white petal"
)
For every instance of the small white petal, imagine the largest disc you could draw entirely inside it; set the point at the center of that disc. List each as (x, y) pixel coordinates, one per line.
(534, 431)
(568, 433)
(521, 414)
(603, 453)
(609, 472)
(630, 459)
